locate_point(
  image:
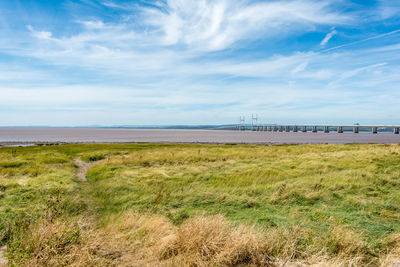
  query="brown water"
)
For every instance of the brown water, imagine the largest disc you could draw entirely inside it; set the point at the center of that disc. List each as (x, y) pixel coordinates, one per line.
(99, 135)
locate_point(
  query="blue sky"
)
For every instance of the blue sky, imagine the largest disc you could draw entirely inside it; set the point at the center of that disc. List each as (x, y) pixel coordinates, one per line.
(87, 62)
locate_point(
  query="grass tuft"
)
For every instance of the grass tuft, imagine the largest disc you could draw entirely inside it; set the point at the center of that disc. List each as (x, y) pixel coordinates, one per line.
(212, 241)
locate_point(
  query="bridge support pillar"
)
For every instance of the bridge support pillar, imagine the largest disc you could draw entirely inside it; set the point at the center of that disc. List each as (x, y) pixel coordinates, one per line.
(356, 130)
(287, 128)
(280, 128)
(396, 130)
(314, 129)
(374, 130)
(340, 129)
(326, 129)
(304, 129)
(295, 129)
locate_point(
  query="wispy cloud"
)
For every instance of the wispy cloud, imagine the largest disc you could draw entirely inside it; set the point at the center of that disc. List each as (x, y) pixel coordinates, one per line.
(388, 9)
(328, 37)
(299, 68)
(216, 25)
(197, 62)
(40, 34)
(379, 36)
(351, 73)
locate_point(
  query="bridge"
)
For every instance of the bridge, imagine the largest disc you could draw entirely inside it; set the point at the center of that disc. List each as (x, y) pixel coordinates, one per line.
(316, 128)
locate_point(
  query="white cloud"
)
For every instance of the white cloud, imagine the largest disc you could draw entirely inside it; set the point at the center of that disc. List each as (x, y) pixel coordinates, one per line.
(40, 34)
(200, 26)
(299, 68)
(328, 37)
(386, 48)
(351, 73)
(379, 36)
(216, 25)
(112, 5)
(97, 25)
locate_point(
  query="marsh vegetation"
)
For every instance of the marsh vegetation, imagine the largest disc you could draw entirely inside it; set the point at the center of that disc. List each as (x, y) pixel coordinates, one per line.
(200, 205)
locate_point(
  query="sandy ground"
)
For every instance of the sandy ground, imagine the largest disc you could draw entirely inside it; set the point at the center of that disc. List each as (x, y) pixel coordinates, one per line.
(3, 260)
(109, 135)
(83, 168)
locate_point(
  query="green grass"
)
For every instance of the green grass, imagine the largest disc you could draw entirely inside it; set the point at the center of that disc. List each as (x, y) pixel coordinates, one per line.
(319, 188)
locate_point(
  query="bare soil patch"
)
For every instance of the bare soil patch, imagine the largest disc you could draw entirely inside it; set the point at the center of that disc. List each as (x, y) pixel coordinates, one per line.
(83, 168)
(3, 260)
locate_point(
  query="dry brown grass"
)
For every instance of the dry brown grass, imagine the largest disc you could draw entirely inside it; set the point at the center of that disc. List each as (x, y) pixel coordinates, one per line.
(48, 244)
(201, 241)
(392, 259)
(138, 240)
(150, 240)
(211, 241)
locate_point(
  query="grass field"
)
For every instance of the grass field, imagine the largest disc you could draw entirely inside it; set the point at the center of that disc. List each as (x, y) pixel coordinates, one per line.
(201, 205)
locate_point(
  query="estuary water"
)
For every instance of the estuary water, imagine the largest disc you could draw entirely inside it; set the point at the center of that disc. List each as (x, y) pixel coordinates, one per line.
(21, 135)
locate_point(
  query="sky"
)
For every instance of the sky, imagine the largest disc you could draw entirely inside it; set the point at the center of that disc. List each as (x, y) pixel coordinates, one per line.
(109, 62)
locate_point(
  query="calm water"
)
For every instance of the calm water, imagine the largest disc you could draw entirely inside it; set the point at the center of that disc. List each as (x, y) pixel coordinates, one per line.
(72, 135)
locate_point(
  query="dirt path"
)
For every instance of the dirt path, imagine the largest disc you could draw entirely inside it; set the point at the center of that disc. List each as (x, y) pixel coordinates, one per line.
(83, 168)
(3, 260)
